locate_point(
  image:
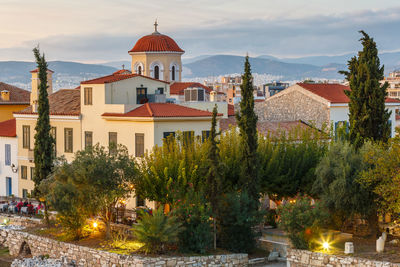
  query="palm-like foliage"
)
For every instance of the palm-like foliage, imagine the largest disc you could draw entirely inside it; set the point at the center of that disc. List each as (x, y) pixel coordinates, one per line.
(157, 231)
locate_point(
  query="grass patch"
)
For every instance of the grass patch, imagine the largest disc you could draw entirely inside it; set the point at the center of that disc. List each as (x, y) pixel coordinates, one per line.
(4, 251)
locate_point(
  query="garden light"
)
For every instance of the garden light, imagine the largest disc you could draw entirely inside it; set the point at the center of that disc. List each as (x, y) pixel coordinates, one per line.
(95, 225)
(326, 245)
(5, 221)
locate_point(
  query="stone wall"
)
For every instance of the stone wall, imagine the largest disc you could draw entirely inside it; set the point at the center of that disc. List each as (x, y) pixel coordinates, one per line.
(293, 105)
(20, 220)
(18, 241)
(304, 258)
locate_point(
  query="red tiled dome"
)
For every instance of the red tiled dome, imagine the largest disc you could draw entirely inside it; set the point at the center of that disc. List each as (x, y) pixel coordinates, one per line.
(156, 42)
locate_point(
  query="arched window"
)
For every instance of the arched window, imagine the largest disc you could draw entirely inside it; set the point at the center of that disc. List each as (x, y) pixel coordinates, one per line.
(140, 70)
(173, 73)
(157, 72)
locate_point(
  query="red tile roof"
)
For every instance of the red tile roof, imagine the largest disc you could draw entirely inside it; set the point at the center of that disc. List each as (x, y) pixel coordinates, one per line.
(156, 43)
(162, 110)
(123, 71)
(332, 92)
(115, 78)
(8, 128)
(37, 70)
(17, 95)
(178, 88)
(65, 102)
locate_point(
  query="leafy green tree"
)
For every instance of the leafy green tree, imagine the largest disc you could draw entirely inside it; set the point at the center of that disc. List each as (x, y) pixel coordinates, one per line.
(247, 122)
(369, 119)
(103, 179)
(43, 150)
(157, 231)
(288, 161)
(384, 175)
(338, 185)
(213, 176)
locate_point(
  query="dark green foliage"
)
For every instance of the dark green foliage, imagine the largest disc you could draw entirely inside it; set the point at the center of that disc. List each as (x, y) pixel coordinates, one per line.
(237, 220)
(43, 150)
(288, 162)
(247, 122)
(337, 183)
(302, 221)
(157, 231)
(270, 218)
(369, 119)
(195, 214)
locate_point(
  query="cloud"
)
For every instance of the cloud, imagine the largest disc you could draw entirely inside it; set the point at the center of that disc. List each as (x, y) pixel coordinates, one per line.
(283, 36)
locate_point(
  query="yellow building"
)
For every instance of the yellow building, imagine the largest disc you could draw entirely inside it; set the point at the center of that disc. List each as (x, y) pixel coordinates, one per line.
(12, 99)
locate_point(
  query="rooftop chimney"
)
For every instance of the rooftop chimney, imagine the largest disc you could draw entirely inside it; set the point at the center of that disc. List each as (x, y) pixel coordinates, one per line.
(35, 84)
(5, 95)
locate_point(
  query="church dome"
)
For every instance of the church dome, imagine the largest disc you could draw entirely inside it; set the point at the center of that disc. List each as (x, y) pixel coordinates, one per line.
(156, 42)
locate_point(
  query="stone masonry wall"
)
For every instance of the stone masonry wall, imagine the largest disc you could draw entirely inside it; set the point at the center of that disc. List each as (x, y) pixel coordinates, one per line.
(293, 106)
(305, 258)
(84, 256)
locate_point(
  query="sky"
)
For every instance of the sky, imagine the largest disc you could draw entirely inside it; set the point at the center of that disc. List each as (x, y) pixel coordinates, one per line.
(96, 31)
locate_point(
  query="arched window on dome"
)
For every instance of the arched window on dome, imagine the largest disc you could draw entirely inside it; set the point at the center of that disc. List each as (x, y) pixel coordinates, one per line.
(157, 72)
(173, 73)
(138, 67)
(140, 70)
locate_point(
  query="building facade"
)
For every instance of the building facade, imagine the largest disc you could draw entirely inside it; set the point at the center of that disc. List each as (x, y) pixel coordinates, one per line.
(12, 99)
(8, 159)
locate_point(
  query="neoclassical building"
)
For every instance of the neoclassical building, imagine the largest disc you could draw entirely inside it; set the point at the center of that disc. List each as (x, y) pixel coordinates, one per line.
(157, 56)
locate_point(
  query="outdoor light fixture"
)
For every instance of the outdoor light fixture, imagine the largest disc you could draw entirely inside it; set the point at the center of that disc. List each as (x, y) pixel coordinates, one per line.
(13, 168)
(5, 221)
(95, 225)
(325, 245)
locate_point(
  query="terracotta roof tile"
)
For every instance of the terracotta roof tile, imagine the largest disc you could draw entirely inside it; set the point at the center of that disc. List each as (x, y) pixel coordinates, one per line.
(156, 43)
(37, 70)
(63, 102)
(8, 128)
(162, 110)
(115, 78)
(17, 95)
(178, 88)
(332, 92)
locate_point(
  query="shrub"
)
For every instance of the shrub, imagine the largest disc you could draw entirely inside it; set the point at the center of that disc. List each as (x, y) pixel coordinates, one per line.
(197, 235)
(301, 221)
(237, 221)
(270, 218)
(157, 231)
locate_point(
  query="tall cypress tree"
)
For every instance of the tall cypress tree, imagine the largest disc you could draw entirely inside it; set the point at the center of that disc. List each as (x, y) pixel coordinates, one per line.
(369, 119)
(213, 184)
(43, 151)
(247, 122)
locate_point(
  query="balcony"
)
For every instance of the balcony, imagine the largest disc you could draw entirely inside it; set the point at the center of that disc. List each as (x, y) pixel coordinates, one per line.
(31, 155)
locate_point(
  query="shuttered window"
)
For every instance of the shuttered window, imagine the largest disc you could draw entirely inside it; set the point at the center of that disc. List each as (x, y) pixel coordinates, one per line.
(88, 96)
(24, 172)
(26, 136)
(8, 154)
(88, 139)
(139, 145)
(68, 140)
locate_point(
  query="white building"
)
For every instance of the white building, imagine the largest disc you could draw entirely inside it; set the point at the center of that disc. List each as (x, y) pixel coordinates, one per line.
(8, 159)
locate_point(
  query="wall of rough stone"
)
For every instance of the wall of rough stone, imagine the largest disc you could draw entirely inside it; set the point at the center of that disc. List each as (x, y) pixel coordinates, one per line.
(293, 106)
(85, 256)
(20, 220)
(304, 258)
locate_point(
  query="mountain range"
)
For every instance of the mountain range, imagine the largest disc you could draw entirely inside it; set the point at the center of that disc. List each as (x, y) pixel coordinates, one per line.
(70, 74)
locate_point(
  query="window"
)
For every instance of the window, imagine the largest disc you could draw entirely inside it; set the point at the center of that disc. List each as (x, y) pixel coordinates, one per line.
(88, 96)
(188, 137)
(160, 90)
(139, 145)
(112, 142)
(88, 139)
(32, 172)
(141, 95)
(53, 133)
(200, 95)
(194, 94)
(68, 140)
(173, 73)
(8, 186)
(140, 70)
(8, 154)
(26, 136)
(157, 72)
(139, 201)
(166, 134)
(24, 193)
(24, 172)
(205, 135)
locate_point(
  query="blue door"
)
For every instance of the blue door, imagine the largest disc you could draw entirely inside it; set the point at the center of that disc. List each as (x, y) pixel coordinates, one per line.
(8, 186)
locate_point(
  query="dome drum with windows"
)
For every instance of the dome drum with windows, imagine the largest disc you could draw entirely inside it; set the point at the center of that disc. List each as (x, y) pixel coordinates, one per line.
(157, 56)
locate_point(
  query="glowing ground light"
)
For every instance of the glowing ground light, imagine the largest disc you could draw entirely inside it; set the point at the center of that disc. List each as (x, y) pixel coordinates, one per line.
(5, 221)
(326, 245)
(95, 225)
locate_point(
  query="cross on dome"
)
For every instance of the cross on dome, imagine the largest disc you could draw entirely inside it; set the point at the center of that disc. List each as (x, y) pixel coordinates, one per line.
(155, 28)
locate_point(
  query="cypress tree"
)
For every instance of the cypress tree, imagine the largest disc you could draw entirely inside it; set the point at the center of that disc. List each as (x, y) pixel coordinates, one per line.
(369, 119)
(214, 172)
(247, 122)
(43, 150)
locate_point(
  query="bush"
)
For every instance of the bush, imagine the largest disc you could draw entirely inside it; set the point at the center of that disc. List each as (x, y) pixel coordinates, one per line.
(157, 231)
(270, 218)
(197, 235)
(237, 220)
(301, 221)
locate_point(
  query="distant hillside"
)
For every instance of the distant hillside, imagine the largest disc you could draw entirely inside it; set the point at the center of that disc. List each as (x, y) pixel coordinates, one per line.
(225, 64)
(67, 74)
